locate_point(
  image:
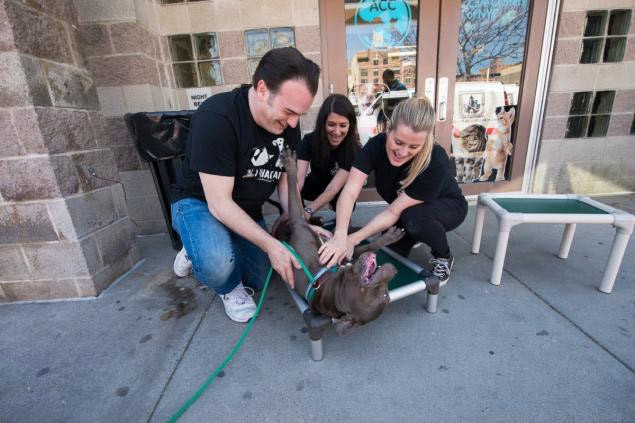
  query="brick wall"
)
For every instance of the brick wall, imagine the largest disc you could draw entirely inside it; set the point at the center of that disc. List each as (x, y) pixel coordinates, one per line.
(63, 231)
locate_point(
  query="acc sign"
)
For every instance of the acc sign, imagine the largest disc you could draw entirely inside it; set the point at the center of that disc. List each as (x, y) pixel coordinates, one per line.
(388, 18)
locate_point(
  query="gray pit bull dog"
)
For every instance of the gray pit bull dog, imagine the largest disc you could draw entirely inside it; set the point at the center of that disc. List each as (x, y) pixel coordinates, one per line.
(356, 293)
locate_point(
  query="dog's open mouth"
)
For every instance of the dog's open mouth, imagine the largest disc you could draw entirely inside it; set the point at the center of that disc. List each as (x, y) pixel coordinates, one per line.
(370, 268)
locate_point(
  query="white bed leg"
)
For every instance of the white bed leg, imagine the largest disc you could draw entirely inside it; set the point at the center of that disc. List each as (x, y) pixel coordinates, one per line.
(615, 259)
(479, 221)
(317, 352)
(567, 239)
(431, 302)
(499, 258)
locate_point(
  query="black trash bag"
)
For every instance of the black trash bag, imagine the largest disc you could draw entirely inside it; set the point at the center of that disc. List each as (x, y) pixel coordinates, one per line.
(159, 135)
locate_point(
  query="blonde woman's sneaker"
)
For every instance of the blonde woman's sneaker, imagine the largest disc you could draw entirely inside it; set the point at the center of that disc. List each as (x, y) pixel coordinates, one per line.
(239, 306)
(182, 264)
(442, 267)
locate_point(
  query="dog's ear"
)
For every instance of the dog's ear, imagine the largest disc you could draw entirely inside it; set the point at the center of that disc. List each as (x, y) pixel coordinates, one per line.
(344, 326)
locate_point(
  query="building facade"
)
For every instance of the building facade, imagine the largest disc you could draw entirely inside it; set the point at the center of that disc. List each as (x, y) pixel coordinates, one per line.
(552, 80)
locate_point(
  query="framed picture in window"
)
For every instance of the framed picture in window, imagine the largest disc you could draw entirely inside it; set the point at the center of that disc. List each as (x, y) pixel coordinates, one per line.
(472, 104)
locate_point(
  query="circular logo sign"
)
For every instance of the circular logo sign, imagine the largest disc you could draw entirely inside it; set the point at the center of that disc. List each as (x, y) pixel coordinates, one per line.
(383, 23)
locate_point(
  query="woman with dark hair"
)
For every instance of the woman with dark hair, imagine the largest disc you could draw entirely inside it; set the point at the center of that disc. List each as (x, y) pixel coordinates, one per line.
(329, 150)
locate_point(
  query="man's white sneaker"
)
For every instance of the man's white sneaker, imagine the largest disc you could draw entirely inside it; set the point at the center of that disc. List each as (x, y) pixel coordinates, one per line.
(182, 264)
(239, 306)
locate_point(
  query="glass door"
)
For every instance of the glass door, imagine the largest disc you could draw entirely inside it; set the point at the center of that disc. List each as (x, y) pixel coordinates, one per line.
(476, 60)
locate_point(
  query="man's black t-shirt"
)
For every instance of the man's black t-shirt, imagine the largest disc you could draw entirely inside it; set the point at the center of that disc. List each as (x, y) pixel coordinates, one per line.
(225, 140)
(434, 182)
(322, 175)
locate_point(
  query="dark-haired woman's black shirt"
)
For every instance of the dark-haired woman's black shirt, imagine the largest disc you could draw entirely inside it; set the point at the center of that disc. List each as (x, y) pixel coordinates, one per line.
(436, 181)
(322, 175)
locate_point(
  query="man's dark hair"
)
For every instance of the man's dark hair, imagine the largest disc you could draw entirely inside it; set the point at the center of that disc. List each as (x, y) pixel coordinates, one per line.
(284, 64)
(388, 75)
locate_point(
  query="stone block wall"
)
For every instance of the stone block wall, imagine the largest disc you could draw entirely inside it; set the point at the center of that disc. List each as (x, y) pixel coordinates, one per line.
(64, 227)
(587, 165)
(124, 51)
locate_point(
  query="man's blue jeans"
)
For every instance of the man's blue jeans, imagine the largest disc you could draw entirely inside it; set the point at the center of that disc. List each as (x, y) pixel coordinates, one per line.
(220, 258)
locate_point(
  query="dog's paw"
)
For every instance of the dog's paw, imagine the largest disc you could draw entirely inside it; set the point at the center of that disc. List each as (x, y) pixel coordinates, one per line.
(392, 235)
(289, 159)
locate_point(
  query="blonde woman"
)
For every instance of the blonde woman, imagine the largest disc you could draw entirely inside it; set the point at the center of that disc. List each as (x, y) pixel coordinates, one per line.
(412, 174)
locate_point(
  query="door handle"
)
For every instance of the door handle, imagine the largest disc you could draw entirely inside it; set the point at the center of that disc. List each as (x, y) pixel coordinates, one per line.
(428, 89)
(442, 105)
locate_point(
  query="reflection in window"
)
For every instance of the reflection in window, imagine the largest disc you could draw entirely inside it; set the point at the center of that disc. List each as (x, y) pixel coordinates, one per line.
(377, 40)
(602, 42)
(590, 114)
(195, 60)
(490, 51)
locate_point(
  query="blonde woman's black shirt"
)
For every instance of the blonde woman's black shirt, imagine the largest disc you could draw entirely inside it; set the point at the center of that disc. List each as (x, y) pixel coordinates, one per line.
(435, 182)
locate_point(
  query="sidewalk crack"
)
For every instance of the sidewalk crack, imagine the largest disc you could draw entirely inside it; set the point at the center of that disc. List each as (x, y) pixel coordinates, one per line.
(178, 362)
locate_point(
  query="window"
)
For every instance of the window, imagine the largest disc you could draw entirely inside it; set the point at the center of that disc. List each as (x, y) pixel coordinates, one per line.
(364, 72)
(260, 41)
(375, 62)
(590, 114)
(385, 60)
(602, 42)
(195, 60)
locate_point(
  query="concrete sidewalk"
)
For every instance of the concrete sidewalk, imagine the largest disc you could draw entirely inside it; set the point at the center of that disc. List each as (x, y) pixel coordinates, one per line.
(545, 346)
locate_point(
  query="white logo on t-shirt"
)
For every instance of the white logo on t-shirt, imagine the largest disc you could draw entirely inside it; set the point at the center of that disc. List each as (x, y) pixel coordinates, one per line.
(279, 142)
(260, 157)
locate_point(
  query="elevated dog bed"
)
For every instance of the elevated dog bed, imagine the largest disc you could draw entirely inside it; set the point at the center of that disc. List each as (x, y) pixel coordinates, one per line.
(410, 279)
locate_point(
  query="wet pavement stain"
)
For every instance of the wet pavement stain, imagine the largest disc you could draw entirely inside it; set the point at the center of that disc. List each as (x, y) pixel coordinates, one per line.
(304, 330)
(248, 395)
(491, 353)
(145, 339)
(122, 308)
(542, 333)
(221, 373)
(42, 372)
(293, 337)
(445, 310)
(299, 386)
(461, 296)
(442, 368)
(122, 392)
(183, 301)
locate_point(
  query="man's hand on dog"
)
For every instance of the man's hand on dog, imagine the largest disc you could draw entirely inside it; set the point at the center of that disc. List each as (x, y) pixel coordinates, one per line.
(283, 262)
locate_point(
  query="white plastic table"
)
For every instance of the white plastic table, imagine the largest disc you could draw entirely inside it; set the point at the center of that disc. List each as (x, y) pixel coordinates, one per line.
(570, 209)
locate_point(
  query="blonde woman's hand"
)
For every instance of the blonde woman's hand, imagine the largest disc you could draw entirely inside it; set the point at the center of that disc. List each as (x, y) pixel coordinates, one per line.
(335, 250)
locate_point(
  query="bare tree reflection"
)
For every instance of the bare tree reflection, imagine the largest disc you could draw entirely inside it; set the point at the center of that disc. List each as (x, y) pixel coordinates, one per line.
(490, 31)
